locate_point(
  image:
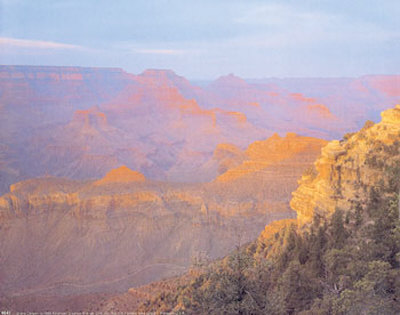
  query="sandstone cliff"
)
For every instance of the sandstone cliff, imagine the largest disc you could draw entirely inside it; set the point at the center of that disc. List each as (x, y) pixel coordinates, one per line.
(121, 175)
(292, 150)
(60, 236)
(347, 173)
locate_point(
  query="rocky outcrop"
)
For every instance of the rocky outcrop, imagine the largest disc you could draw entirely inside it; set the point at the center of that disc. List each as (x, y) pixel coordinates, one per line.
(121, 174)
(228, 156)
(345, 170)
(346, 174)
(290, 150)
(90, 118)
(320, 111)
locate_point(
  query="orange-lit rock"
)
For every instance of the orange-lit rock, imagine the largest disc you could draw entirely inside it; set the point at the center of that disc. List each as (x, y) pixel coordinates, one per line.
(228, 156)
(227, 150)
(121, 174)
(320, 110)
(90, 117)
(274, 150)
(161, 124)
(343, 176)
(238, 117)
(136, 229)
(343, 169)
(301, 98)
(119, 232)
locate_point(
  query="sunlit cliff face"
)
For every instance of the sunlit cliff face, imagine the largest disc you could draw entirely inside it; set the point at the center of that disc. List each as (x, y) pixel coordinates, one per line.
(292, 149)
(121, 175)
(344, 165)
(140, 230)
(345, 174)
(123, 178)
(82, 122)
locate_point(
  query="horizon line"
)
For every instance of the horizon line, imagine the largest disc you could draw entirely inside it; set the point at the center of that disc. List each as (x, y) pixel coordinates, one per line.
(195, 79)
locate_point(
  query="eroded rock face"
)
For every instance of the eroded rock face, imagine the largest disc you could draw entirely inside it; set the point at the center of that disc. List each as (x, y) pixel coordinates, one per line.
(61, 237)
(82, 122)
(292, 150)
(344, 176)
(344, 173)
(126, 230)
(121, 174)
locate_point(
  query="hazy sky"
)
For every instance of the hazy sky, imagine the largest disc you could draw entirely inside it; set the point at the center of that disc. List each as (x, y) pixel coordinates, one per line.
(203, 39)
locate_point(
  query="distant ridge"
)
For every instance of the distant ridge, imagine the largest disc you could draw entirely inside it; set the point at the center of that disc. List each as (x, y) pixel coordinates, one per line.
(121, 174)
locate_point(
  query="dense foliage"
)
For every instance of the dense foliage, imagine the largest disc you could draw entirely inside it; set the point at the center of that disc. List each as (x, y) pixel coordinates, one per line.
(343, 266)
(348, 263)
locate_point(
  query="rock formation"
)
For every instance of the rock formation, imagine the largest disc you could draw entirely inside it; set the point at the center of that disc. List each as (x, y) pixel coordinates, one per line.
(82, 122)
(292, 149)
(123, 230)
(345, 176)
(345, 167)
(121, 174)
(347, 172)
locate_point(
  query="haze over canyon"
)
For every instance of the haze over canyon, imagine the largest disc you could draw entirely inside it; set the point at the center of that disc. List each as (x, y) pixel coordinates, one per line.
(111, 180)
(82, 122)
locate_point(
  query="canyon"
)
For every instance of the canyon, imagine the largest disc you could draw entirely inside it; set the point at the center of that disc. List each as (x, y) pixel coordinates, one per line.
(82, 122)
(64, 237)
(111, 180)
(353, 185)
